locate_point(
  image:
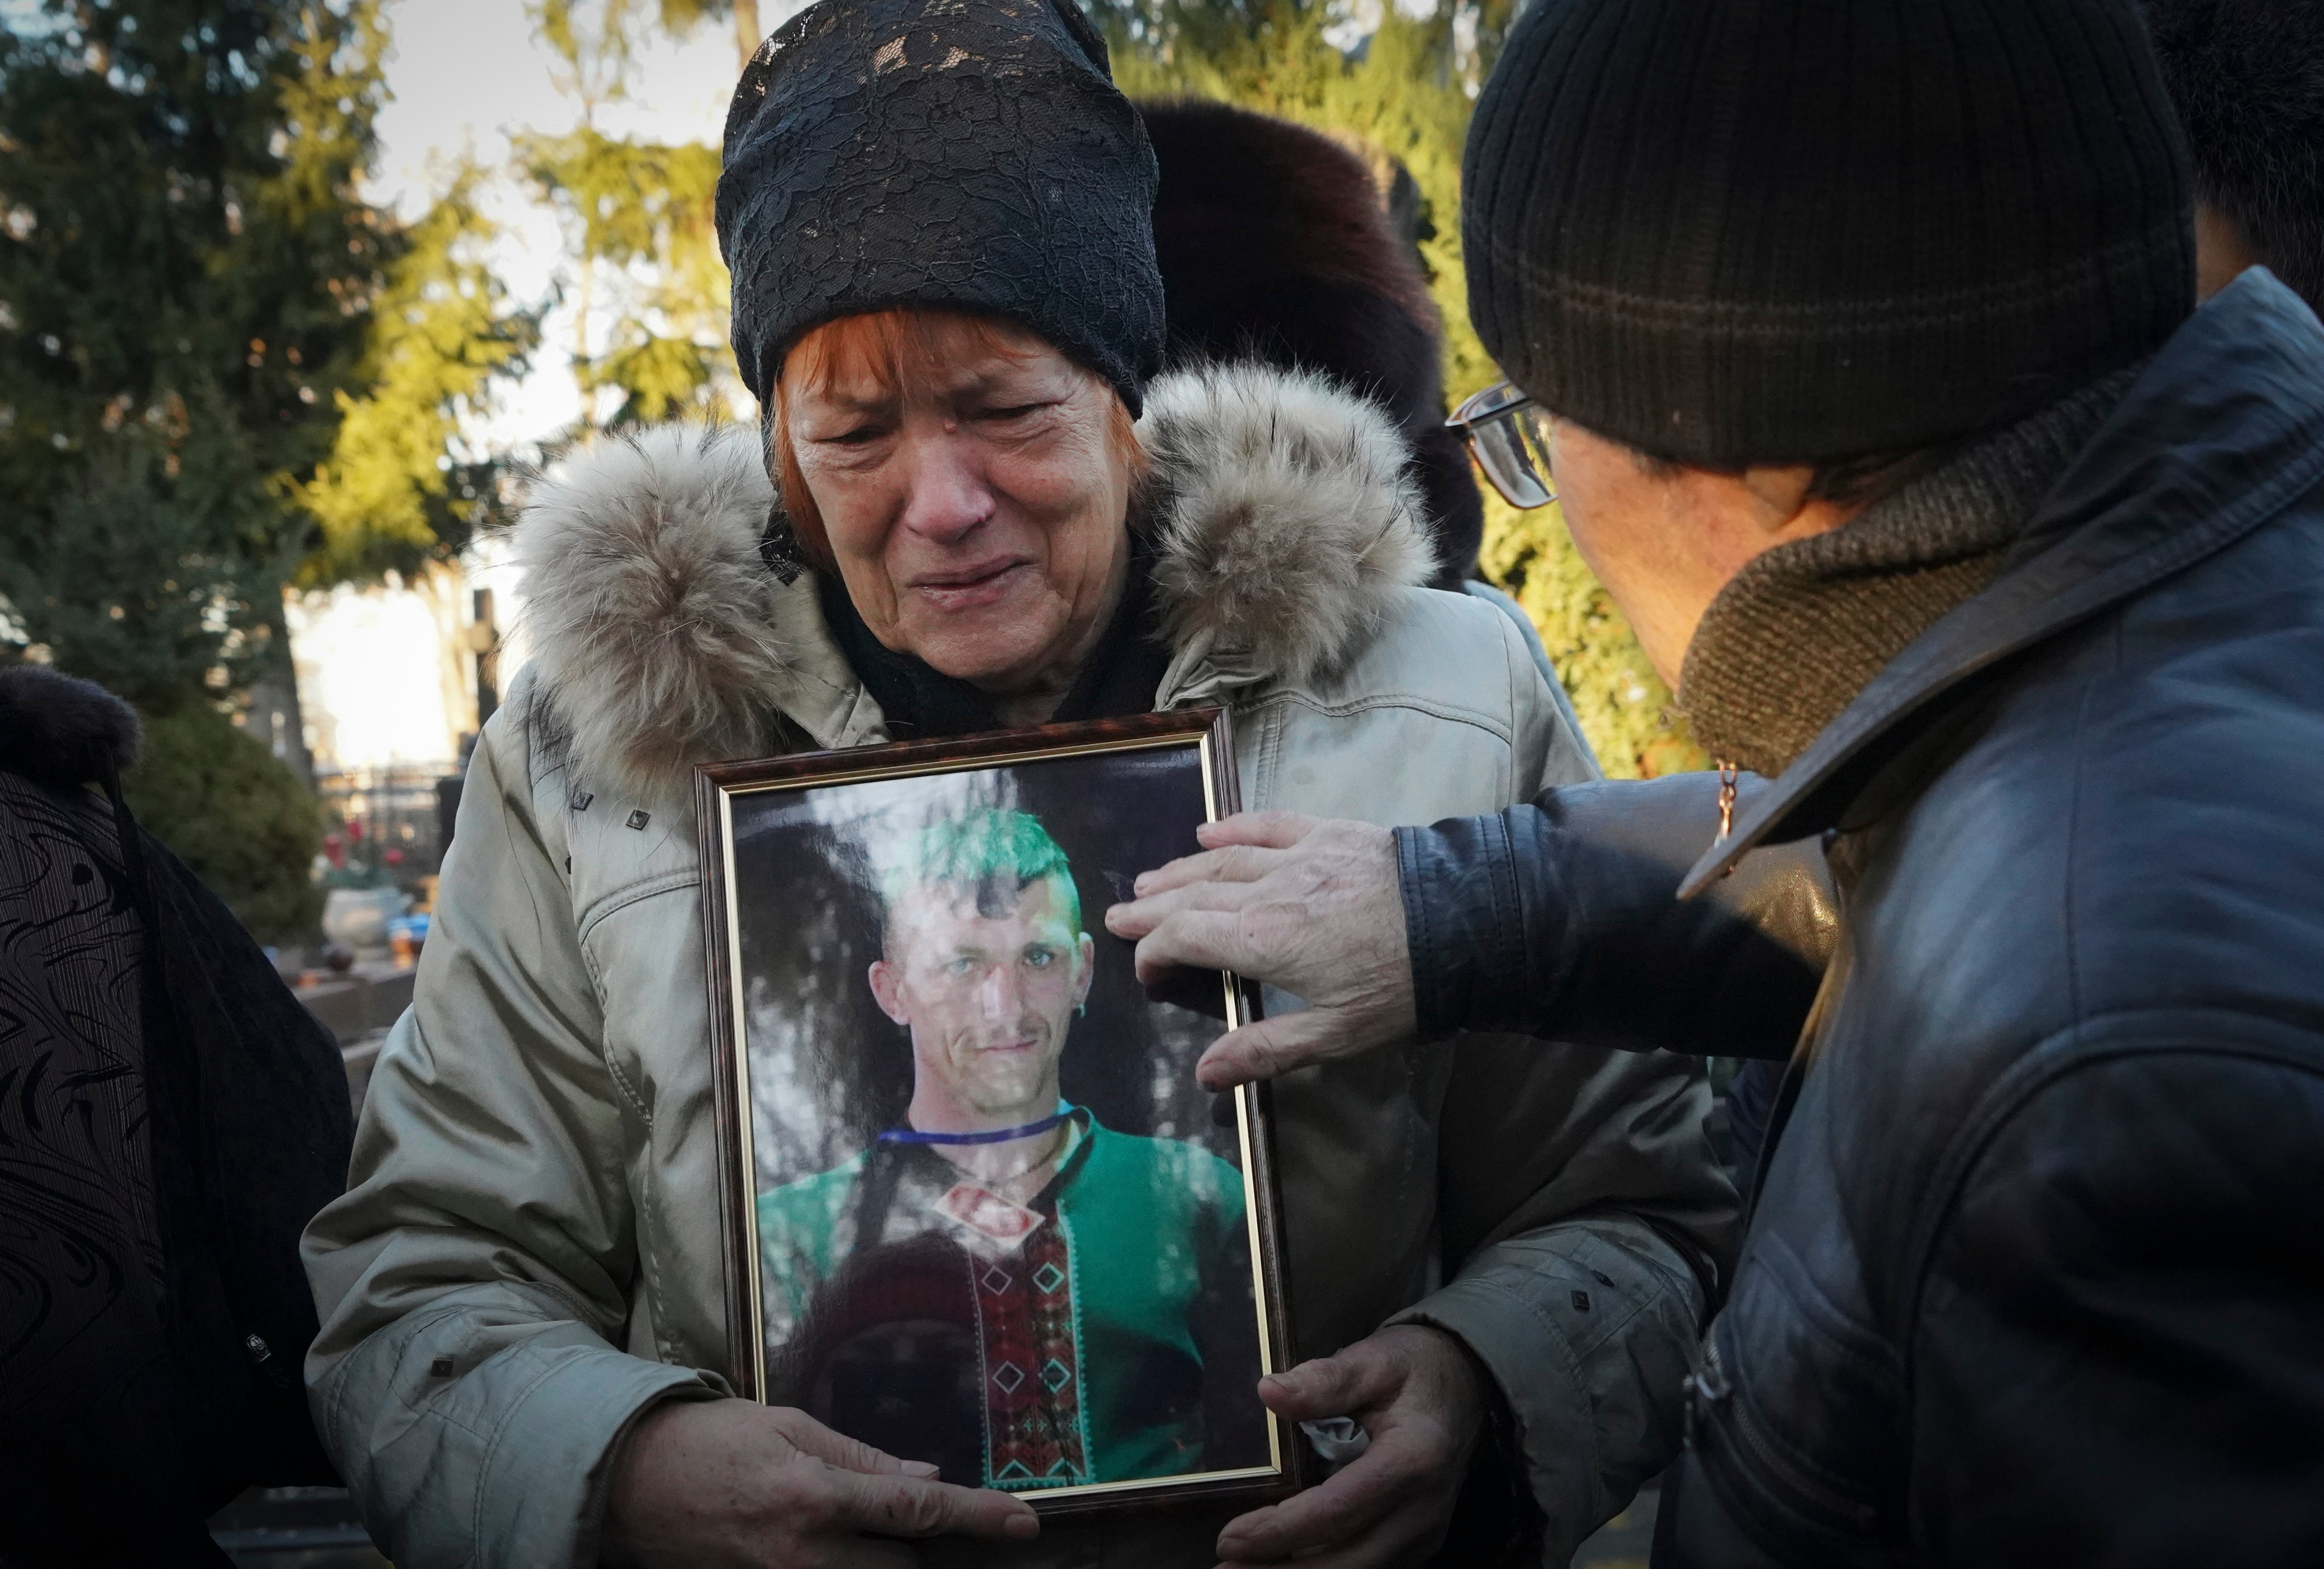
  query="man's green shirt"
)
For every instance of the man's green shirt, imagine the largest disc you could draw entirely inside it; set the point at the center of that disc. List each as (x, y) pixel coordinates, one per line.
(1097, 1329)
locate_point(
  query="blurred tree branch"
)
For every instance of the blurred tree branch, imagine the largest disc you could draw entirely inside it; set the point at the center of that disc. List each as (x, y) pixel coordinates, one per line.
(682, 17)
(650, 287)
(401, 486)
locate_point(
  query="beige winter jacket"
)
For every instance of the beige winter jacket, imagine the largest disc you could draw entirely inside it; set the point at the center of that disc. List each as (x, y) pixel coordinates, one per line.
(528, 1254)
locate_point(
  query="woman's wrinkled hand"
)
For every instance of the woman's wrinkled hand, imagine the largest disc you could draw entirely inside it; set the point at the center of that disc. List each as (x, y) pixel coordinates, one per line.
(1416, 1391)
(714, 1483)
(1306, 904)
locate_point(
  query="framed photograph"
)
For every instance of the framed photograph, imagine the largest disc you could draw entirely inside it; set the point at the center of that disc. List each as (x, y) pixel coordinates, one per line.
(978, 1210)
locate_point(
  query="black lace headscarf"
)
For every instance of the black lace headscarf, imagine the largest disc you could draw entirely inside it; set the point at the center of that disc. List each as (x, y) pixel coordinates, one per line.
(967, 154)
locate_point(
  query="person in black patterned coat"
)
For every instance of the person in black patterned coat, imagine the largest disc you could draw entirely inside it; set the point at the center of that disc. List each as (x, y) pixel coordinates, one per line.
(169, 1116)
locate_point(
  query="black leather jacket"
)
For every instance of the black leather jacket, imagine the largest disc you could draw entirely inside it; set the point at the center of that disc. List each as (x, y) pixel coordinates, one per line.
(2036, 1275)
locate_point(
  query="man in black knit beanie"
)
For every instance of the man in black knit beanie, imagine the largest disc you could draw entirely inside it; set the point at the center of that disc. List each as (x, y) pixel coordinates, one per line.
(1858, 340)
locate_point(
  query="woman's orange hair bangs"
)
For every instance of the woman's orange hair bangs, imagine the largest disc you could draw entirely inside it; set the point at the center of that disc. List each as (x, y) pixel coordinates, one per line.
(891, 349)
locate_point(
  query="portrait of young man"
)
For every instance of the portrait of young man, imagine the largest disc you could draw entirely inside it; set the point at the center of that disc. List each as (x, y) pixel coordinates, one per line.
(1000, 1285)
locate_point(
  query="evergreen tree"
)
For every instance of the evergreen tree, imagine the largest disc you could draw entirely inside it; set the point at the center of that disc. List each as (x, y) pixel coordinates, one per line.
(222, 368)
(220, 372)
(1403, 92)
(183, 277)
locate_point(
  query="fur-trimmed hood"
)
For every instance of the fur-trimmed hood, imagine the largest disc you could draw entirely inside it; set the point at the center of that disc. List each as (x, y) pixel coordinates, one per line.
(1280, 518)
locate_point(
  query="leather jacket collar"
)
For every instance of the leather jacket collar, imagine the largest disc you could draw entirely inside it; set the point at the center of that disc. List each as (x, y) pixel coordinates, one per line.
(2230, 394)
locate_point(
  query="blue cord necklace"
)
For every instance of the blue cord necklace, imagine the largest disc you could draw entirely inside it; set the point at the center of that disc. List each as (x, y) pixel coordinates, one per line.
(998, 1136)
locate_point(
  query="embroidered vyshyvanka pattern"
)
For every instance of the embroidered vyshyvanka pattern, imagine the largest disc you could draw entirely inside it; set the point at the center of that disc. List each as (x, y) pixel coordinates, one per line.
(1028, 1334)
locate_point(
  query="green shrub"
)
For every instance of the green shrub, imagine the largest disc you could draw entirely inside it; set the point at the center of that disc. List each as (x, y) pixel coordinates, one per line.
(237, 815)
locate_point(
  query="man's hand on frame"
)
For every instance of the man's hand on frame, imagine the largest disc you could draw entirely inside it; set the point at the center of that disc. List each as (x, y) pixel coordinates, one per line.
(1421, 1398)
(1306, 904)
(718, 1483)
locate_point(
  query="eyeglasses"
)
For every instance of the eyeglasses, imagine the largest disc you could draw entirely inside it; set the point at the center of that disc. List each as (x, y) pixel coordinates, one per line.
(1509, 434)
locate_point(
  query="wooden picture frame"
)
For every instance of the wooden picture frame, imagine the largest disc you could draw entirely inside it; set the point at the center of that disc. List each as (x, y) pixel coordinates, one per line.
(1127, 779)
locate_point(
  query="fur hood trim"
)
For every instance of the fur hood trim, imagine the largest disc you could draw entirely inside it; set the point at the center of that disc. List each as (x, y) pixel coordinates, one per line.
(649, 611)
(1282, 524)
(62, 729)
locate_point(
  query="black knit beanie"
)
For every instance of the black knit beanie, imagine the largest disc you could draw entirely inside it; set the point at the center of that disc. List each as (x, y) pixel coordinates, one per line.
(1736, 231)
(967, 154)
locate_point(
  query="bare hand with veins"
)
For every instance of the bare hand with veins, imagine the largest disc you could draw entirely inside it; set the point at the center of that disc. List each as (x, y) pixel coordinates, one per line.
(1307, 904)
(717, 1483)
(1421, 1399)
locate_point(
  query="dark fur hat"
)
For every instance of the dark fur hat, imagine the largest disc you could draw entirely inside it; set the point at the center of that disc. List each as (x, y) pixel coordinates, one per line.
(2248, 79)
(1275, 245)
(63, 731)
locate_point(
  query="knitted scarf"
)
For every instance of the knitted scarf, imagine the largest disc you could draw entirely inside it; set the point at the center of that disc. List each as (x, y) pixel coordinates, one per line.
(1803, 628)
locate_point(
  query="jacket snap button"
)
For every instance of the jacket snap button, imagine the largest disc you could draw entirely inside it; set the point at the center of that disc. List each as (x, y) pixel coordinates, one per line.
(581, 802)
(257, 1350)
(639, 819)
(1581, 1302)
(441, 1367)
